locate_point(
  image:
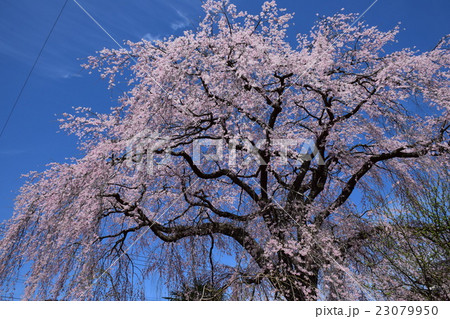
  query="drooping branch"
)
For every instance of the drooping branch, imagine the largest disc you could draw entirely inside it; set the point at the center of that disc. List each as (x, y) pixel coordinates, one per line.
(175, 233)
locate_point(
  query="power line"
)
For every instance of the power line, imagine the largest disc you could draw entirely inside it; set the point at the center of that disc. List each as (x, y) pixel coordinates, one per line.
(31, 71)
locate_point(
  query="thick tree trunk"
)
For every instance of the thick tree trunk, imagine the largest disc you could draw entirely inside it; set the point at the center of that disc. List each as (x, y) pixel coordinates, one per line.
(296, 282)
(294, 279)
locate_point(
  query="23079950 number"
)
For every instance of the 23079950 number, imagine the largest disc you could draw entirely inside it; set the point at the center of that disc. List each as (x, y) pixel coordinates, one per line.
(407, 310)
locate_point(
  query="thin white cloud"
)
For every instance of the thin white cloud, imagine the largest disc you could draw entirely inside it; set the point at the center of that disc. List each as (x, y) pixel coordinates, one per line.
(184, 22)
(151, 37)
(69, 75)
(59, 71)
(19, 54)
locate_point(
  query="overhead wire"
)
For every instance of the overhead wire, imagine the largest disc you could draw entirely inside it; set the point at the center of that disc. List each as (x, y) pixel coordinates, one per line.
(31, 70)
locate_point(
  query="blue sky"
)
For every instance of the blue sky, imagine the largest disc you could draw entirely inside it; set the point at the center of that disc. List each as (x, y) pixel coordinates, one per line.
(58, 82)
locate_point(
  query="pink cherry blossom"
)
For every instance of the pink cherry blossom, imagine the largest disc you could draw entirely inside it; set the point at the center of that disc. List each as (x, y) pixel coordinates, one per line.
(371, 115)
